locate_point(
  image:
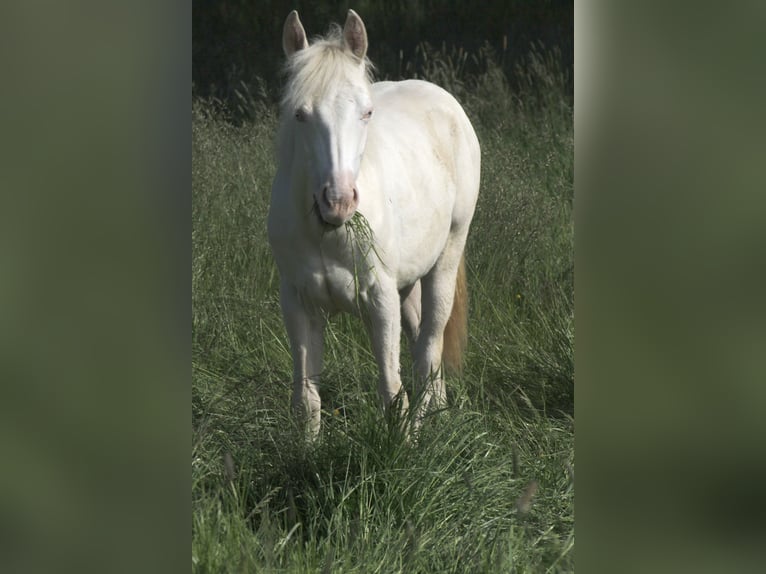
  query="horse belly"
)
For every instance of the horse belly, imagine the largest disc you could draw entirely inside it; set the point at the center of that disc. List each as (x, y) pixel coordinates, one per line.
(422, 242)
(425, 205)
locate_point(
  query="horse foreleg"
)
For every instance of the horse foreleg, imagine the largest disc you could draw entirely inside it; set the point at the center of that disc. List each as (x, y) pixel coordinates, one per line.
(306, 333)
(384, 324)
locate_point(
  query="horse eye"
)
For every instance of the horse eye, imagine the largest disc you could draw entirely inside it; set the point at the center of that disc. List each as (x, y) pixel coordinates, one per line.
(300, 115)
(367, 115)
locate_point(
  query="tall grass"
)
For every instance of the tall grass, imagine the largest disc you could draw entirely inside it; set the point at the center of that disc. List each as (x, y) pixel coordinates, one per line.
(488, 486)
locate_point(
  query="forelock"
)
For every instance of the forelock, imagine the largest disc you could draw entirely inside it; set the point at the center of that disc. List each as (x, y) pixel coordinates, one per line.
(316, 69)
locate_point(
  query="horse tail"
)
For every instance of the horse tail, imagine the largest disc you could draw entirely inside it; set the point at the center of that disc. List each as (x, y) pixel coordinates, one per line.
(456, 331)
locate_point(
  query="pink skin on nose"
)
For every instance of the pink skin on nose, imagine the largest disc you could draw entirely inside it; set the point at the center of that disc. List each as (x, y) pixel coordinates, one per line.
(338, 198)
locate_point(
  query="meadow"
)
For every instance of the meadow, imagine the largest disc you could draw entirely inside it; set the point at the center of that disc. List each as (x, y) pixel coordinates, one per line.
(489, 484)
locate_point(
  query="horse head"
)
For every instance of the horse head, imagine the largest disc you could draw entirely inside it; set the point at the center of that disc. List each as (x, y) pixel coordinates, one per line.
(328, 106)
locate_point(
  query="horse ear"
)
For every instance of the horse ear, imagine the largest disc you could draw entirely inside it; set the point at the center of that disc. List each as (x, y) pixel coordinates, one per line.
(293, 35)
(355, 34)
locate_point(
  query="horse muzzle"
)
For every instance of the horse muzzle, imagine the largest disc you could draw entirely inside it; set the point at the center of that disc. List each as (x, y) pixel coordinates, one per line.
(338, 201)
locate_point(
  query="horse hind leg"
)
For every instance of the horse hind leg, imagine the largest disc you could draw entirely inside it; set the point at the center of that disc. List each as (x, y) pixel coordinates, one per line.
(411, 313)
(438, 296)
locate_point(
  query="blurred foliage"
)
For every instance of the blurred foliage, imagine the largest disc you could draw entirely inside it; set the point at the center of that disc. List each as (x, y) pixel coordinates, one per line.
(236, 44)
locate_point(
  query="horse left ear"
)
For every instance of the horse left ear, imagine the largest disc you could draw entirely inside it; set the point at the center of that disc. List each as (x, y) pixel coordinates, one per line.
(355, 35)
(293, 35)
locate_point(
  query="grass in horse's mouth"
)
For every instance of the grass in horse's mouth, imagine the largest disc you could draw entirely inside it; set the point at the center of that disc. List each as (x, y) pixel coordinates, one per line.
(360, 227)
(357, 225)
(362, 235)
(359, 231)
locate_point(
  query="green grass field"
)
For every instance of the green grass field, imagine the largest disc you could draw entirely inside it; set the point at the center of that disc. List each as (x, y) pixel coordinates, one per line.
(488, 487)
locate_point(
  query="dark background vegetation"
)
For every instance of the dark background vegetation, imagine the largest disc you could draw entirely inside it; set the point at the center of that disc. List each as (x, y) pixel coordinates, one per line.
(236, 44)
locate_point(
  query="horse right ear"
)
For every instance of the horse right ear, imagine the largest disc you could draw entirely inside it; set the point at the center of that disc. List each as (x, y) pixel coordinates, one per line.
(293, 35)
(355, 35)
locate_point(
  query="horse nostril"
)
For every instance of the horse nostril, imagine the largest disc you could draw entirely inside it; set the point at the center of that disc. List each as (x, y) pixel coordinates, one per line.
(324, 195)
(356, 195)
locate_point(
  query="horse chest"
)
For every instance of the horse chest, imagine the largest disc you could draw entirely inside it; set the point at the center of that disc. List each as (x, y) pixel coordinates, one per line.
(330, 284)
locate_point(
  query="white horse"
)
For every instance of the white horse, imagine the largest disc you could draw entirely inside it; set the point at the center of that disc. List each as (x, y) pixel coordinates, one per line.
(405, 157)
